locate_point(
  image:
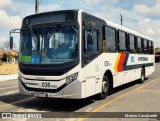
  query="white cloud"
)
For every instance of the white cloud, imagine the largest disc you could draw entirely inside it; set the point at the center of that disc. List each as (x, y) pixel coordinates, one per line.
(150, 28)
(157, 1)
(147, 26)
(151, 10)
(141, 8)
(28, 9)
(2, 39)
(145, 20)
(112, 1)
(92, 2)
(137, 18)
(150, 31)
(10, 22)
(6, 3)
(50, 7)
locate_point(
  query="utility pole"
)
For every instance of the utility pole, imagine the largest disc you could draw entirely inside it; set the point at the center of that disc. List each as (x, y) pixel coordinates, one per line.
(36, 6)
(121, 20)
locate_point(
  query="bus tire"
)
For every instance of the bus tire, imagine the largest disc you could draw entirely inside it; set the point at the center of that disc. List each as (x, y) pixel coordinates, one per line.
(142, 79)
(105, 88)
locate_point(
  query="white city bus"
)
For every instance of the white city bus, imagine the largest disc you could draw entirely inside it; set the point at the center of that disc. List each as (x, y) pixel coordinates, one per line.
(73, 54)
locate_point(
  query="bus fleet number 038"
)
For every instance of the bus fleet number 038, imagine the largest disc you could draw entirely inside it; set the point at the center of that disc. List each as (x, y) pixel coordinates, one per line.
(48, 85)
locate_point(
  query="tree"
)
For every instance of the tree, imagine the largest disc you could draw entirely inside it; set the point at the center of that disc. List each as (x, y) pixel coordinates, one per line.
(8, 55)
(6, 45)
(2, 48)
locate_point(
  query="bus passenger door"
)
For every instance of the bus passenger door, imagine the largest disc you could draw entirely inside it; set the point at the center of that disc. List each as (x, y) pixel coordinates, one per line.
(90, 86)
(91, 64)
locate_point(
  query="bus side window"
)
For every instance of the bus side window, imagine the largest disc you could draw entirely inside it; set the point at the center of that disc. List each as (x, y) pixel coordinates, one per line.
(135, 43)
(91, 41)
(145, 46)
(122, 42)
(139, 45)
(150, 47)
(110, 36)
(132, 48)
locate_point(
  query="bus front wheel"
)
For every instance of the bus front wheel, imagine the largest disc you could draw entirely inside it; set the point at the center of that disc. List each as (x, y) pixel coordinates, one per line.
(105, 88)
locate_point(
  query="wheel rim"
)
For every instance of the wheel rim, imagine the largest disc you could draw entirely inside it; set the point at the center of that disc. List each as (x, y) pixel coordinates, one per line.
(104, 87)
(142, 77)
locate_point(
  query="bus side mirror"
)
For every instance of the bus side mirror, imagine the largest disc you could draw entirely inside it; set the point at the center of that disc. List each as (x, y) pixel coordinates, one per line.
(11, 42)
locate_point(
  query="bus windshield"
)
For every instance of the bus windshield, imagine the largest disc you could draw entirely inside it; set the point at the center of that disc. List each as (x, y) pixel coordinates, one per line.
(49, 45)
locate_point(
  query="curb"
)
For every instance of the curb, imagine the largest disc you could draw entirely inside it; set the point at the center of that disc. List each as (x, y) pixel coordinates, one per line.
(8, 77)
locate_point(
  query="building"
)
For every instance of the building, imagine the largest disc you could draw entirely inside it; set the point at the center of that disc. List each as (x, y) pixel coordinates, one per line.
(157, 57)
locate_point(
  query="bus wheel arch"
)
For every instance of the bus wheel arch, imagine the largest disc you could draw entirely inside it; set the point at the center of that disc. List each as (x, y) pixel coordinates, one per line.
(107, 85)
(109, 74)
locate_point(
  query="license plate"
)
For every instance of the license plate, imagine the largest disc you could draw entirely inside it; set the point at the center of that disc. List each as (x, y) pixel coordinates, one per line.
(37, 94)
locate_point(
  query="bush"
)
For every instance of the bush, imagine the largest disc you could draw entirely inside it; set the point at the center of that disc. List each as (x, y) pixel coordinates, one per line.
(1, 62)
(9, 55)
(4, 58)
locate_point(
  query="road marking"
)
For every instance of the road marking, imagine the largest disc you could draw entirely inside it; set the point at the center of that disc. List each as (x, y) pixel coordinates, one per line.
(8, 87)
(114, 100)
(147, 84)
(150, 90)
(9, 80)
(16, 102)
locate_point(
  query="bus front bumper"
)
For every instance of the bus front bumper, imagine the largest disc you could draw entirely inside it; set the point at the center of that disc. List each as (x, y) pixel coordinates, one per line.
(71, 91)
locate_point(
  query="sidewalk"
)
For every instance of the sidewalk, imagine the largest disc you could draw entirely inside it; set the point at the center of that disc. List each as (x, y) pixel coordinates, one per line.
(8, 77)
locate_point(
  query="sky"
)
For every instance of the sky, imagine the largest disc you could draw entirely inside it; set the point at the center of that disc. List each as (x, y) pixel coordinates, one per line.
(140, 15)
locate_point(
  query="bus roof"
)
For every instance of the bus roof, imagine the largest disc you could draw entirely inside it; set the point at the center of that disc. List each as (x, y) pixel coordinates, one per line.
(117, 26)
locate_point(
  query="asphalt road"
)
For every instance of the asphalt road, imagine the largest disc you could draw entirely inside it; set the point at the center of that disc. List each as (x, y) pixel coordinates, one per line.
(131, 98)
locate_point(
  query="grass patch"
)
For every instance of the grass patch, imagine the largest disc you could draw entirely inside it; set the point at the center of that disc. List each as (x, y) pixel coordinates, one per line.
(7, 68)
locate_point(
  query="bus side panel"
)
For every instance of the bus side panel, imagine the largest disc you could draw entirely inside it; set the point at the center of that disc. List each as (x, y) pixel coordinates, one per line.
(120, 78)
(93, 76)
(126, 77)
(135, 64)
(149, 70)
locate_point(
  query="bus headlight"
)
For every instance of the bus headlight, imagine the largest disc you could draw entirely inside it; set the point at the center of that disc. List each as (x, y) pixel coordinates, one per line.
(71, 78)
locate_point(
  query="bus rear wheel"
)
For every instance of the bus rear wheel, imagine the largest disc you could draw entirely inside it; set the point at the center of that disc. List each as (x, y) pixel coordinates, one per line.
(105, 88)
(142, 75)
